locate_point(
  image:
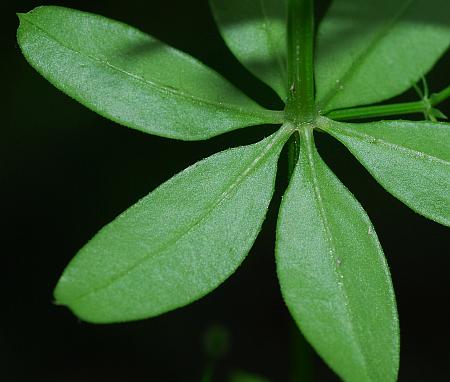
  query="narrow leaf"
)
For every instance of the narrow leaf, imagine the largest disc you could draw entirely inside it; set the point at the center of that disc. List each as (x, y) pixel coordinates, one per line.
(132, 78)
(369, 51)
(333, 274)
(178, 243)
(255, 31)
(411, 160)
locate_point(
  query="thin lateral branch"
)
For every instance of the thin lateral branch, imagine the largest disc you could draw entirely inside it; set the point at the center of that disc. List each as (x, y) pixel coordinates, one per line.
(415, 107)
(439, 97)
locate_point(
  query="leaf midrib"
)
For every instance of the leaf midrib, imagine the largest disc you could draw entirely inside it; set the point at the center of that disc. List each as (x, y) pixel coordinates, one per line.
(275, 142)
(331, 243)
(358, 62)
(370, 139)
(164, 89)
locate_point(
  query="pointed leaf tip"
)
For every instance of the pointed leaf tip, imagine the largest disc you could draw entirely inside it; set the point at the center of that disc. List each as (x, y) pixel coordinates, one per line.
(90, 57)
(178, 243)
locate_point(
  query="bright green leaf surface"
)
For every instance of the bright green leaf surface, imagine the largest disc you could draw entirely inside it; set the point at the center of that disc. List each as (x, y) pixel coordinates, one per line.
(333, 274)
(178, 243)
(411, 160)
(368, 51)
(132, 78)
(255, 31)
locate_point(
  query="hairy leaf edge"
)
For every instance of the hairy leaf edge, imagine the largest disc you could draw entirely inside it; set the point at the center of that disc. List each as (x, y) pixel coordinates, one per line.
(263, 116)
(275, 142)
(388, 278)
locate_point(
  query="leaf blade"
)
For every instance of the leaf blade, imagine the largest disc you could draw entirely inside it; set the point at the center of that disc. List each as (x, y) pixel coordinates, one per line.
(373, 51)
(132, 78)
(256, 34)
(178, 243)
(330, 265)
(411, 160)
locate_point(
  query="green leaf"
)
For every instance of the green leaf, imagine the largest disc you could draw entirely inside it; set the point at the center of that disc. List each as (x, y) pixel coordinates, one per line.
(333, 275)
(411, 160)
(132, 78)
(368, 51)
(242, 376)
(255, 31)
(179, 242)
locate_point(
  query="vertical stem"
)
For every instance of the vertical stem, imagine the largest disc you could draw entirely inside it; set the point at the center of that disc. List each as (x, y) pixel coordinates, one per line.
(300, 104)
(208, 373)
(302, 369)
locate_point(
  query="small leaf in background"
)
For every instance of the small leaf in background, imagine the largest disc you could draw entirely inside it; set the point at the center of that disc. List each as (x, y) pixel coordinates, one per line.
(132, 78)
(411, 160)
(179, 242)
(369, 51)
(242, 376)
(333, 275)
(216, 342)
(255, 31)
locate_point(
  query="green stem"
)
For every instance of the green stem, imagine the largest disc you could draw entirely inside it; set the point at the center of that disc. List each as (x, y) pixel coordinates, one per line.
(302, 368)
(377, 111)
(300, 106)
(208, 373)
(391, 109)
(437, 98)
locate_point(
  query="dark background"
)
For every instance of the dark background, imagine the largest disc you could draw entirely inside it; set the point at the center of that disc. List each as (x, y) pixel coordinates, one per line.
(65, 172)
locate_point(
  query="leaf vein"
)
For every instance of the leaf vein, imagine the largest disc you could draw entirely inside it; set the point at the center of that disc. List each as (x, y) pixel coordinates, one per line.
(359, 61)
(273, 115)
(417, 154)
(278, 138)
(332, 246)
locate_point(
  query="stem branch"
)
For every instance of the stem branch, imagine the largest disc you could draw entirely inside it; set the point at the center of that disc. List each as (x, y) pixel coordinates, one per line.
(437, 98)
(390, 109)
